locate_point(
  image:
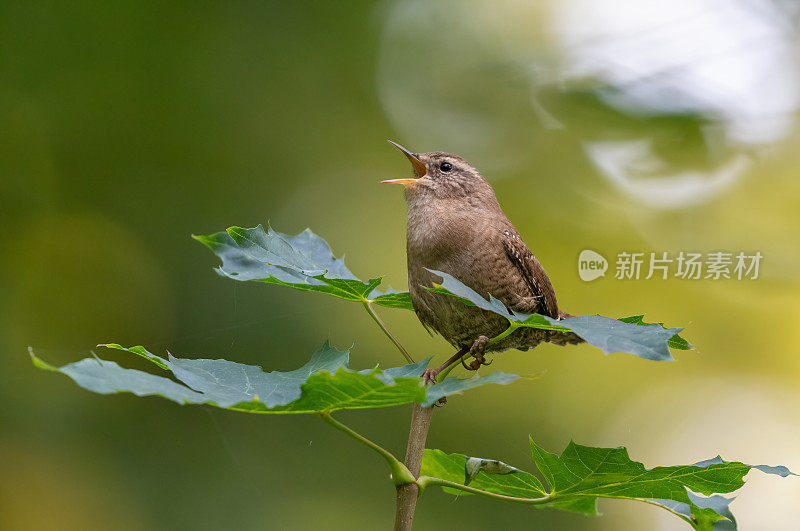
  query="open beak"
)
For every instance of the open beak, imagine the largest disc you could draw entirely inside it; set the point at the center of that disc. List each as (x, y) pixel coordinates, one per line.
(419, 168)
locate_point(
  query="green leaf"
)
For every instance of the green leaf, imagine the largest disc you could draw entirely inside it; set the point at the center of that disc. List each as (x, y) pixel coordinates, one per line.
(577, 478)
(324, 384)
(704, 513)
(676, 341)
(609, 472)
(630, 335)
(395, 299)
(304, 261)
(452, 385)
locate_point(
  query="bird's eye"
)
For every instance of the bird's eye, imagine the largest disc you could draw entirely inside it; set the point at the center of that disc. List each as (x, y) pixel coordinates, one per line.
(446, 167)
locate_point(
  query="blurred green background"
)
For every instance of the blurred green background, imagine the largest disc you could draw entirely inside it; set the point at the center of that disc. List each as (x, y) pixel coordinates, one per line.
(127, 126)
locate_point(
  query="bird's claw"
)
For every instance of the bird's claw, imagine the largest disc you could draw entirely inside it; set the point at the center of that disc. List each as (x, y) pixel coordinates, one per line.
(429, 378)
(476, 351)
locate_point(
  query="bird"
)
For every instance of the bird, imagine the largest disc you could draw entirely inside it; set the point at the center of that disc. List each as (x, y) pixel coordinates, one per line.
(456, 225)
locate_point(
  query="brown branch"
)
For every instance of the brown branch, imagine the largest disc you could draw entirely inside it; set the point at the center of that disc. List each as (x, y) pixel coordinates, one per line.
(408, 494)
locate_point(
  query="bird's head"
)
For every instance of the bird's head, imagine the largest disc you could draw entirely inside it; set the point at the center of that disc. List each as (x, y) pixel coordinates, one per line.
(443, 176)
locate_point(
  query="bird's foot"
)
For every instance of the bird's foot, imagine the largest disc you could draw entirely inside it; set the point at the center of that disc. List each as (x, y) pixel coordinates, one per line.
(477, 351)
(429, 378)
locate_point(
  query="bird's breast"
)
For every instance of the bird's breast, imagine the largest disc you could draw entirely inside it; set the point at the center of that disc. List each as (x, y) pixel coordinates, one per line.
(436, 231)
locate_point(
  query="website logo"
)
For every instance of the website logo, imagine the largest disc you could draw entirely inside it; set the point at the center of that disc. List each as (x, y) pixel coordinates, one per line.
(591, 265)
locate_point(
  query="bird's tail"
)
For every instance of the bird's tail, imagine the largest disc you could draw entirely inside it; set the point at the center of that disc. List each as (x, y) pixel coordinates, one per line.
(563, 338)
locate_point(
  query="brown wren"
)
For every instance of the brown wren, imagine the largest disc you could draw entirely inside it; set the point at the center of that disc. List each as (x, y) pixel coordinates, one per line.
(456, 225)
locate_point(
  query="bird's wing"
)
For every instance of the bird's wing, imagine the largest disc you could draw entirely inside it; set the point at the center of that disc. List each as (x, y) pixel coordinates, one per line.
(526, 287)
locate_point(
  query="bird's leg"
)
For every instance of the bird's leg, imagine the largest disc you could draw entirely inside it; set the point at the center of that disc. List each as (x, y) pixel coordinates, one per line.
(476, 351)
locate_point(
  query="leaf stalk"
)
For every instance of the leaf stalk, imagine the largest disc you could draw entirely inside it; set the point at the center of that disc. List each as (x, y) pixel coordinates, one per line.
(371, 312)
(512, 325)
(427, 481)
(400, 474)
